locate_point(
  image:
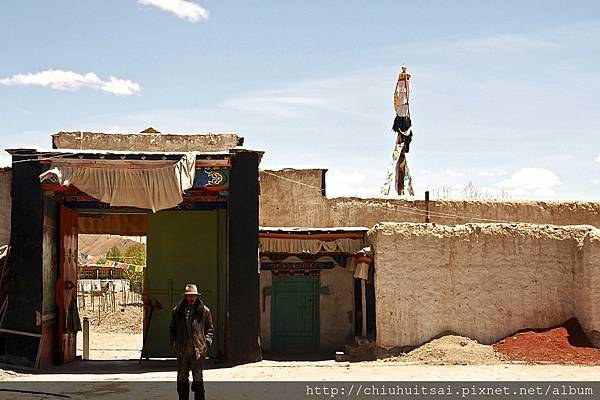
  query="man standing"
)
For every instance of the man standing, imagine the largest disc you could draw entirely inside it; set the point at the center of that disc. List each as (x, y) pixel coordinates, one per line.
(191, 332)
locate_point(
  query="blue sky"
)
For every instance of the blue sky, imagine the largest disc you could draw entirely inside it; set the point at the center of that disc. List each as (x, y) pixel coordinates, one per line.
(505, 95)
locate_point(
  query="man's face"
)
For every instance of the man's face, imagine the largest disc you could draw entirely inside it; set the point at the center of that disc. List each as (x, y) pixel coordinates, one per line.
(191, 298)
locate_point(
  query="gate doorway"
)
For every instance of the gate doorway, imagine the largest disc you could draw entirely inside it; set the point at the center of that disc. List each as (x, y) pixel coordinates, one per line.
(295, 315)
(184, 247)
(193, 186)
(110, 294)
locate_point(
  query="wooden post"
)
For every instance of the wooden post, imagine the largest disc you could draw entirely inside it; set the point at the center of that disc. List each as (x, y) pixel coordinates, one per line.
(83, 294)
(363, 292)
(427, 206)
(86, 338)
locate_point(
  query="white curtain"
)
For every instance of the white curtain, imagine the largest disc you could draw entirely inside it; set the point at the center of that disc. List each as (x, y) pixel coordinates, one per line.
(154, 188)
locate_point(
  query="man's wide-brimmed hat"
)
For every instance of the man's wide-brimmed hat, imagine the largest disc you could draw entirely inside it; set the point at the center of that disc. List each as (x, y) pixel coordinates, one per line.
(190, 288)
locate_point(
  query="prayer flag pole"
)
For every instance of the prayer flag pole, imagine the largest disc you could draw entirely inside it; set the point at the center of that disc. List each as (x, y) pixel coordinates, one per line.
(403, 127)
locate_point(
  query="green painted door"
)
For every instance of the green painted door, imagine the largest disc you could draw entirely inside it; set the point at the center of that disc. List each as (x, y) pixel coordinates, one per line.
(295, 314)
(184, 247)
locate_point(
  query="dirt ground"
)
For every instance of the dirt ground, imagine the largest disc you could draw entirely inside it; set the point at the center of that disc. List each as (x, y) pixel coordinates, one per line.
(156, 380)
(115, 357)
(314, 370)
(104, 347)
(120, 362)
(126, 319)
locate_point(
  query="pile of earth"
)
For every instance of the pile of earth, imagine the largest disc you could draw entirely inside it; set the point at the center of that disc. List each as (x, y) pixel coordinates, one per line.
(564, 344)
(451, 350)
(126, 319)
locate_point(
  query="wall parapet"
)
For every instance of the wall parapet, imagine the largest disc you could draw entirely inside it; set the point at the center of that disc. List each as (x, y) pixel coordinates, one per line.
(296, 197)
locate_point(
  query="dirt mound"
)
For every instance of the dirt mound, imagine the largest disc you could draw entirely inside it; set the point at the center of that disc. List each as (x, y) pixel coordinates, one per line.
(564, 344)
(452, 350)
(126, 319)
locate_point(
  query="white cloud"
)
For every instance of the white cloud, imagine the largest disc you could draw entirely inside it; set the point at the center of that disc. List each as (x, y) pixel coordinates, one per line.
(455, 173)
(120, 87)
(340, 183)
(505, 41)
(183, 9)
(69, 80)
(334, 95)
(491, 173)
(598, 158)
(274, 103)
(531, 182)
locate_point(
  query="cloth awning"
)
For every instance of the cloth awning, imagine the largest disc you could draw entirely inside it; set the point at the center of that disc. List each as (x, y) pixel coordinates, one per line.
(144, 186)
(299, 246)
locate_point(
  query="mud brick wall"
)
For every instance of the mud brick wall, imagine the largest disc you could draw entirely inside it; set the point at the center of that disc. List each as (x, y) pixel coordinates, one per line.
(588, 286)
(294, 198)
(484, 281)
(145, 142)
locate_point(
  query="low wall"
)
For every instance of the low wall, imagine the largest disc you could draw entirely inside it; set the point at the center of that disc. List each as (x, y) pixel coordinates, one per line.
(294, 197)
(145, 142)
(484, 281)
(368, 212)
(5, 204)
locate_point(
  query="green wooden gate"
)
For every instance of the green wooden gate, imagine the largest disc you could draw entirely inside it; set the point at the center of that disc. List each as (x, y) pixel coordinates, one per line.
(295, 314)
(183, 247)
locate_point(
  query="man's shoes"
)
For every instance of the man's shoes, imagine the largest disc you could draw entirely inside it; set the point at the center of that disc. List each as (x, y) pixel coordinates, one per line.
(198, 389)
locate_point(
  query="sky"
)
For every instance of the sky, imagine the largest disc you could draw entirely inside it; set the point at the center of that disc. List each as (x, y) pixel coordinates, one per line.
(504, 95)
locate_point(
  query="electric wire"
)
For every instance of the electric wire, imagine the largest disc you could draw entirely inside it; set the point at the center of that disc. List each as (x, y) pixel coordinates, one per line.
(407, 209)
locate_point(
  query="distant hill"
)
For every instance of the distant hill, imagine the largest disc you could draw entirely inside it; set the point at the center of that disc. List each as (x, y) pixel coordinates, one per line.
(98, 245)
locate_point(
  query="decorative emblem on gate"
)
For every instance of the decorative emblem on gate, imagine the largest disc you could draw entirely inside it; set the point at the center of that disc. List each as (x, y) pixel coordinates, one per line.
(216, 178)
(211, 178)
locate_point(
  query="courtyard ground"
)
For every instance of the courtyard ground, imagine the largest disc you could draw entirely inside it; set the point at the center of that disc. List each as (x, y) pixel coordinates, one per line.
(114, 372)
(120, 362)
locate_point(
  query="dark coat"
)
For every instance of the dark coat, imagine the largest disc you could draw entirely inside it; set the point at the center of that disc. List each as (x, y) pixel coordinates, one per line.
(202, 328)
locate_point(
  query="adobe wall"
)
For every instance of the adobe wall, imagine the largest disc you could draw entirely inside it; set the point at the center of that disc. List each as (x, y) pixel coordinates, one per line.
(336, 309)
(294, 198)
(5, 204)
(145, 142)
(588, 287)
(484, 281)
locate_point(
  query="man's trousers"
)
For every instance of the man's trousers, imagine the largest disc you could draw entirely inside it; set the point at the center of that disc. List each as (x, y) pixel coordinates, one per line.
(185, 363)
